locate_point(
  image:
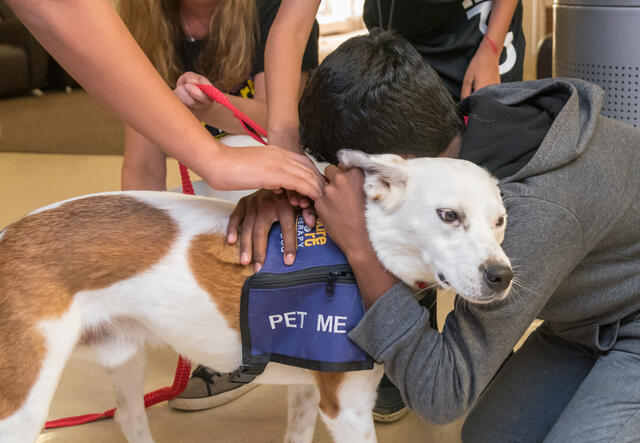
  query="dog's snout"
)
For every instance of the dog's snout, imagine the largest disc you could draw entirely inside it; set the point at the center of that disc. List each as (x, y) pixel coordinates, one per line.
(497, 277)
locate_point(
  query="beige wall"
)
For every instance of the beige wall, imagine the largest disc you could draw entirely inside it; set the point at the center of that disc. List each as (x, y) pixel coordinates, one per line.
(534, 19)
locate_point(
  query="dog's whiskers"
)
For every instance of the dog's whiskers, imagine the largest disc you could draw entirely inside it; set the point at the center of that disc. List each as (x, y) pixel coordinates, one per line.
(431, 286)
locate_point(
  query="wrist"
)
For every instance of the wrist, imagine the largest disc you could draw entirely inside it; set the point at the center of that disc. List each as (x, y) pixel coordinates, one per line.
(373, 279)
(204, 112)
(208, 168)
(491, 45)
(363, 258)
(285, 138)
(285, 130)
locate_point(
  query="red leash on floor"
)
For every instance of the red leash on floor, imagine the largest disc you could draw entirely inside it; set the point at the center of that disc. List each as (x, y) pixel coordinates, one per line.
(183, 370)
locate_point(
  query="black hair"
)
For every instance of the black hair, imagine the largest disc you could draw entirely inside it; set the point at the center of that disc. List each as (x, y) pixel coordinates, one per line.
(375, 93)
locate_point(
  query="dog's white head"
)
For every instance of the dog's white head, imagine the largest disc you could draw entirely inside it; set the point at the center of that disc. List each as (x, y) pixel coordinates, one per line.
(436, 221)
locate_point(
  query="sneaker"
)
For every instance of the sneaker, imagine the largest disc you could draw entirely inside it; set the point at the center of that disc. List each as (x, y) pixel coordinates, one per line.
(389, 405)
(207, 389)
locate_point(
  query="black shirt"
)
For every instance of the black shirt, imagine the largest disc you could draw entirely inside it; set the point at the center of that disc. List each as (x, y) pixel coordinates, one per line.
(490, 140)
(266, 11)
(447, 33)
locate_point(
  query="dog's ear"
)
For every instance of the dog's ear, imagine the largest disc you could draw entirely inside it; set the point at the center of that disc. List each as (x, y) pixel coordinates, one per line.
(385, 176)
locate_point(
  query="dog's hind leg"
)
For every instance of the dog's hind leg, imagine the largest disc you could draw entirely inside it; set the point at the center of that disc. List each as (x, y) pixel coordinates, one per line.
(128, 381)
(302, 413)
(31, 361)
(346, 401)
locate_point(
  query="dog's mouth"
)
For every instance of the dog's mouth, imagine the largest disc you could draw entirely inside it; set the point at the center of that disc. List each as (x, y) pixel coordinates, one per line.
(442, 283)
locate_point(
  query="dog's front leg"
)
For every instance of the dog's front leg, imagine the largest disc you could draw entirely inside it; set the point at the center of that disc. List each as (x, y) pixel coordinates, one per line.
(302, 413)
(346, 401)
(128, 381)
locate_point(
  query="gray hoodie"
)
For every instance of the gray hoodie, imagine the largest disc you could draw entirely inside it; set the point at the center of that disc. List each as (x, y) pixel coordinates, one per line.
(574, 239)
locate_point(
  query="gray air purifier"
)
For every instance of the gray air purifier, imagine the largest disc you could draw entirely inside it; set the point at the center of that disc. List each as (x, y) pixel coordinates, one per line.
(599, 41)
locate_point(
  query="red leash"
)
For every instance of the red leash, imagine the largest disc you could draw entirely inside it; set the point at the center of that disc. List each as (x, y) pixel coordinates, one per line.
(183, 370)
(252, 128)
(180, 381)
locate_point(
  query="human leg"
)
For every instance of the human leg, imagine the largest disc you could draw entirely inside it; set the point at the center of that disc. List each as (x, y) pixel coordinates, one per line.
(606, 407)
(530, 391)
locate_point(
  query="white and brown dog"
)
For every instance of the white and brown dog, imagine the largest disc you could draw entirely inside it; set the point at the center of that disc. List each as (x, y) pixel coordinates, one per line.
(108, 273)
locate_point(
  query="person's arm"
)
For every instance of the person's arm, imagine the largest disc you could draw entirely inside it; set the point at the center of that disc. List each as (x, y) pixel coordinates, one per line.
(373, 279)
(483, 68)
(283, 60)
(144, 166)
(440, 375)
(218, 116)
(215, 114)
(94, 46)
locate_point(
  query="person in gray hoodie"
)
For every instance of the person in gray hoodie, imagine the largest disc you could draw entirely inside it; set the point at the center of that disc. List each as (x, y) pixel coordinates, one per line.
(570, 182)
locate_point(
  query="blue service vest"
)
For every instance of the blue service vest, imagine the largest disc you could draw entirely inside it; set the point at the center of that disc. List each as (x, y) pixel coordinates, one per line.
(300, 314)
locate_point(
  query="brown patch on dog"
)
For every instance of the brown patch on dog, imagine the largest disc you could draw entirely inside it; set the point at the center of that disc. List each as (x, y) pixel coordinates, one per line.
(329, 385)
(217, 269)
(46, 258)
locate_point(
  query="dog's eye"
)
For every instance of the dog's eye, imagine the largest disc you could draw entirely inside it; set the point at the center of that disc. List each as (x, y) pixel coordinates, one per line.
(448, 215)
(500, 221)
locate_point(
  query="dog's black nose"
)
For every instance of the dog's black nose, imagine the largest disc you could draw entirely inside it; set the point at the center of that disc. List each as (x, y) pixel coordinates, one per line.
(498, 277)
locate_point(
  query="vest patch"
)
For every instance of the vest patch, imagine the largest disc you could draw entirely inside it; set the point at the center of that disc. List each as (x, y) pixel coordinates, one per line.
(300, 314)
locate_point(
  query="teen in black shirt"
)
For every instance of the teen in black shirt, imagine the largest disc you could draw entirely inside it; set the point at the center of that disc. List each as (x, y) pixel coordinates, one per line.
(449, 34)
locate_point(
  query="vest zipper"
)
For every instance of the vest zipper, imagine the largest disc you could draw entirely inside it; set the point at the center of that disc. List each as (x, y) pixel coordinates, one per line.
(329, 274)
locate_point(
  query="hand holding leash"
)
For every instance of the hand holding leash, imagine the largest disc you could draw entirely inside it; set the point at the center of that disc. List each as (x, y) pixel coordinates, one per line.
(190, 94)
(270, 167)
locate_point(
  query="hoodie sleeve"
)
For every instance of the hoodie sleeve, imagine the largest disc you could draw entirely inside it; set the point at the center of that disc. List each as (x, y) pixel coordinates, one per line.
(440, 374)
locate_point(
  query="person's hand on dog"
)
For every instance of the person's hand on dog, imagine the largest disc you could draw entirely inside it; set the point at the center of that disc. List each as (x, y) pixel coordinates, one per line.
(253, 217)
(305, 204)
(264, 167)
(189, 93)
(341, 208)
(483, 70)
(289, 140)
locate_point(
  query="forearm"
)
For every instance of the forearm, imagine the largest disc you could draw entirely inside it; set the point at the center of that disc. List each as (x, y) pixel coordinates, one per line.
(500, 20)
(94, 46)
(220, 117)
(433, 373)
(144, 165)
(283, 61)
(373, 279)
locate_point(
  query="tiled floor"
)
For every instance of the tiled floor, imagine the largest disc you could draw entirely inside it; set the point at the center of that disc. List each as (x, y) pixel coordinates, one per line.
(29, 181)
